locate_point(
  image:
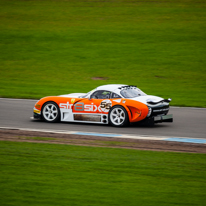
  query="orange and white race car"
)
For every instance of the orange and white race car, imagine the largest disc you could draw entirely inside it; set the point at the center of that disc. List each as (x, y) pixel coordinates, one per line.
(114, 104)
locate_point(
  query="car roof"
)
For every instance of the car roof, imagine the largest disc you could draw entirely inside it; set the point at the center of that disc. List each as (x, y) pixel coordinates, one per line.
(110, 87)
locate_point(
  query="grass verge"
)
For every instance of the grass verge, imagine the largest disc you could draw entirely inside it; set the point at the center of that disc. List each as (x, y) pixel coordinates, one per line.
(49, 174)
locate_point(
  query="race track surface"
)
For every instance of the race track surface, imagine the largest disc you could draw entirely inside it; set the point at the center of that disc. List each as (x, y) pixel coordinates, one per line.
(188, 122)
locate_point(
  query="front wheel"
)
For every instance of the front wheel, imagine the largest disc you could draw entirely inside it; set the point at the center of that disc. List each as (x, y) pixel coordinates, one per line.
(50, 112)
(118, 116)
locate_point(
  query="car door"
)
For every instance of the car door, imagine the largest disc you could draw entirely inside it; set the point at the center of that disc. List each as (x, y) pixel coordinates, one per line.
(90, 109)
(105, 103)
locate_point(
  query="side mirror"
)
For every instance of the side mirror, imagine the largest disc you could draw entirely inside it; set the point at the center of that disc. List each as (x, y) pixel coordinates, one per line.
(89, 97)
(92, 97)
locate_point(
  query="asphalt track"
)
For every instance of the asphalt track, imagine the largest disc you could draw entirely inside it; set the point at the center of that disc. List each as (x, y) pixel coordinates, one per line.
(188, 122)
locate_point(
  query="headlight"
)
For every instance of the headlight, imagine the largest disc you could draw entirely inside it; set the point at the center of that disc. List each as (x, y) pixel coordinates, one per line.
(150, 111)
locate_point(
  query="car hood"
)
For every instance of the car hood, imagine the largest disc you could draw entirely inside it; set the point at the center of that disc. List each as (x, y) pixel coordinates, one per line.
(152, 101)
(75, 95)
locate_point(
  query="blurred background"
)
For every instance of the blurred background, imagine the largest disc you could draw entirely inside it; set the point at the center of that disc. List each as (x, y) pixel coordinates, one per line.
(55, 47)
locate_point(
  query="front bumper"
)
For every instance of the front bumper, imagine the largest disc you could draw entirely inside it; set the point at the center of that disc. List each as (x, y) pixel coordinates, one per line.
(163, 118)
(36, 116)
(150, 121)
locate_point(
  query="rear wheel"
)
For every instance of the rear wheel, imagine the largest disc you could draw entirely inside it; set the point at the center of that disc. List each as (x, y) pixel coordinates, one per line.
(50, 112)
(118, 116)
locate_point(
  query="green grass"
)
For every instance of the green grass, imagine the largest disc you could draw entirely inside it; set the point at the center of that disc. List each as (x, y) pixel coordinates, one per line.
(49, 174)
(56, 47)
(38, 138)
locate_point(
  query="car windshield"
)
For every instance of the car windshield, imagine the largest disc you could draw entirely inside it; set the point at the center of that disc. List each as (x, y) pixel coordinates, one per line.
(131, 92)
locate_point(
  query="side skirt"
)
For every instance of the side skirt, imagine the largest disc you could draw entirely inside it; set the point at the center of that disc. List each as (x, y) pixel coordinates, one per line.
(68, 116)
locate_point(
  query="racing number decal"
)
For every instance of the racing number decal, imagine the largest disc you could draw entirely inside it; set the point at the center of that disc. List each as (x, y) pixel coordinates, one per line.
(105, 105)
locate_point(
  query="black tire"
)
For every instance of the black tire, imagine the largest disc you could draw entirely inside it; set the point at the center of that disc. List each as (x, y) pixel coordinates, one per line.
(118, 116)
(50, 112)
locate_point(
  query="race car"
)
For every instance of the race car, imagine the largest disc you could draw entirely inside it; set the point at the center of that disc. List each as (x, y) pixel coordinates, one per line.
(114, 104)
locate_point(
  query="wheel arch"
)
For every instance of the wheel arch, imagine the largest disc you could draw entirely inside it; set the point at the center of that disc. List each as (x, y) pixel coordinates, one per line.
(136, 111)
(127, 115)
(50, 101)
(126, 108)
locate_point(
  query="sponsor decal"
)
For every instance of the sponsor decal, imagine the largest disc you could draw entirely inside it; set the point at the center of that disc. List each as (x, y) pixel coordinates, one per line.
(91, 108)
(65, 105)
(80, 106)
(72, 101)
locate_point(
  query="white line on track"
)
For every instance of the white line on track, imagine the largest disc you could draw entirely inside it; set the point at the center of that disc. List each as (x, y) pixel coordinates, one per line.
(140, 137)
